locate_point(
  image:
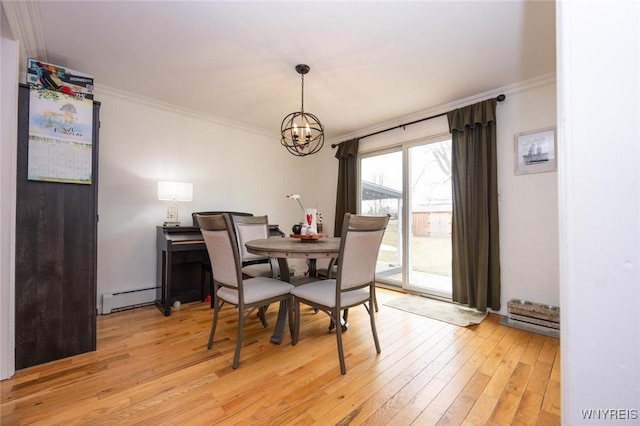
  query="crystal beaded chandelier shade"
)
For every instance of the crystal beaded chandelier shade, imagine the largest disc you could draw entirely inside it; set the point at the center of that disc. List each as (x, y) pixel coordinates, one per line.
(302, 132)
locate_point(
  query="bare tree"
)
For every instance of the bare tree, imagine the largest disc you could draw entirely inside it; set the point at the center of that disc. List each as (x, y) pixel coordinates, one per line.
(439, 156)
(442, 155)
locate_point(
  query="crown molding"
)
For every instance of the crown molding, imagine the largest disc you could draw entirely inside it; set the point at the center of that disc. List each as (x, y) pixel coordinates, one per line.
(153, 103)
(25, 24)
(523, 86)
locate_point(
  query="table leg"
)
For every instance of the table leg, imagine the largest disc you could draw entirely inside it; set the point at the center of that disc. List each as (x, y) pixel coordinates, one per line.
(278, 331)
(276, 338)
(312, 268)
(285, 273)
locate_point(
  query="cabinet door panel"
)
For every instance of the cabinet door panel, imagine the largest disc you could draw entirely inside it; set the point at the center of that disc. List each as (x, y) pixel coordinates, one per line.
(56, 254)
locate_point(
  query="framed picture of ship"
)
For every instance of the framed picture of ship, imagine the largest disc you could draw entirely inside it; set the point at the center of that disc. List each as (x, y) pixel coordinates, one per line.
(535, 151)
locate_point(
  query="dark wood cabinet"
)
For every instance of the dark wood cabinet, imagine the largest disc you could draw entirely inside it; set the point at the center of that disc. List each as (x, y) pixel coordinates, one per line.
(56, 258)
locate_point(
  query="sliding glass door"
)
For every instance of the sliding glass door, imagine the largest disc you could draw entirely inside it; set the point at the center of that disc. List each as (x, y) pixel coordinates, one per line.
(381, 193)
(429, 251)
(416, 250)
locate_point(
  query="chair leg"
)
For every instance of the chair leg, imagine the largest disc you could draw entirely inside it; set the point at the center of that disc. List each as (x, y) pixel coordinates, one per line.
(375, 299)
(343, 322)
(236, 356)
(343, 367)
(296, 321)
(262, 311)
(373, 329)
(291, 319)
(216, 308)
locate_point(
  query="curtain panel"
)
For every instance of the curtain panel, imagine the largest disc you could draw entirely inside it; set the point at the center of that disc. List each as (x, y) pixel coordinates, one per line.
(346, 196)
(475, 246)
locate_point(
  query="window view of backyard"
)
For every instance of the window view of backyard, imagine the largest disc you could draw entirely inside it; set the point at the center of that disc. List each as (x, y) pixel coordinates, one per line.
(426, 264)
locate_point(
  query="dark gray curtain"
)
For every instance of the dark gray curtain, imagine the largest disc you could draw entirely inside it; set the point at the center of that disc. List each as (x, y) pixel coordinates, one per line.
(346, 196)
(476, 252)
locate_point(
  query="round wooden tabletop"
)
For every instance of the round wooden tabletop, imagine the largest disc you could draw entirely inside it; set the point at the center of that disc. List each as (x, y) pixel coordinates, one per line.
(295, 248)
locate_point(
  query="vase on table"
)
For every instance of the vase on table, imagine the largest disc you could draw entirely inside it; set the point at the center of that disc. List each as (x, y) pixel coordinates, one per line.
(297, 228)
(310, 225)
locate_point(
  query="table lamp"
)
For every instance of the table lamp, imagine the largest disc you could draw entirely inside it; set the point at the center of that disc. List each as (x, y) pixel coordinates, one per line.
(174, 192)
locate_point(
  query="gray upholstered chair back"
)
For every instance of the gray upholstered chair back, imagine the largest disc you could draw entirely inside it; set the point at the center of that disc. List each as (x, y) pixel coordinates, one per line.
(360, 242)
(219, 238)
(249, 228)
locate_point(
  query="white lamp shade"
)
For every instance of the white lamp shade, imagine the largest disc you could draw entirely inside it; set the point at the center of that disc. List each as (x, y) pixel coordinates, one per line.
(175, 191)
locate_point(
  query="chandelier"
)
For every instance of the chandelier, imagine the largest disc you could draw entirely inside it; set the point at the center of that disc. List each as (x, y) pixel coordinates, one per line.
(302, 132)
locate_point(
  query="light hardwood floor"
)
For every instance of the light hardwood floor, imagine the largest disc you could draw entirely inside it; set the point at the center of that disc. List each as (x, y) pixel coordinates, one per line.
(153, 370)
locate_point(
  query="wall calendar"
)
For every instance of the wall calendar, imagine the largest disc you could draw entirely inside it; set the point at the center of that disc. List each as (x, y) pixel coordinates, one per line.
(60, 135)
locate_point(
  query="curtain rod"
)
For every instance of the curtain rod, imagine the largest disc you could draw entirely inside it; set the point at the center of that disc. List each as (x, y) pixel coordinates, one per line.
(499, 98)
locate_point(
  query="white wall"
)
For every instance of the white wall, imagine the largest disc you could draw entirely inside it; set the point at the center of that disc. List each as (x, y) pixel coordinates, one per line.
(528, 206)
(599, 173)
(9, 51)
(142, 142)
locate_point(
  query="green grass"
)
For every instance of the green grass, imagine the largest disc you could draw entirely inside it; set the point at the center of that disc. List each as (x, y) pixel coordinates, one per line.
(430, 254)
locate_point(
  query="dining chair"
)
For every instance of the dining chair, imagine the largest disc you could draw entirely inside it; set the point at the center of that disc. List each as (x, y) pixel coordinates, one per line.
(255, 266)
(249, 228)
(354, 282)
(205, 264)
(328, 271)
(331, 270)
(229, 286)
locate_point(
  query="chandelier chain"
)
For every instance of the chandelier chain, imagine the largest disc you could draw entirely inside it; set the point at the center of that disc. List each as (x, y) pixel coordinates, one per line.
(302, 98)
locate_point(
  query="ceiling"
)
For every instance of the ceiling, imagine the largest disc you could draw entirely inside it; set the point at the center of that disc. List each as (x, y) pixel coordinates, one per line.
(372, 63)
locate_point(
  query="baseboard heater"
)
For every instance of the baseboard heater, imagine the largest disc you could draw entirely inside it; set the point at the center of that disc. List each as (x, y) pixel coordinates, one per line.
(123, 300)
(531, 316)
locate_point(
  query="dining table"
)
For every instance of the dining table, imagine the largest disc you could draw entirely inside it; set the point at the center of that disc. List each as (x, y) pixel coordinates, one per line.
(286, 248)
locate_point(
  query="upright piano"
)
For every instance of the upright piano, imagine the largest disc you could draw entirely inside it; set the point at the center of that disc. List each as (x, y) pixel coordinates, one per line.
(182, 254)
(181, 251)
